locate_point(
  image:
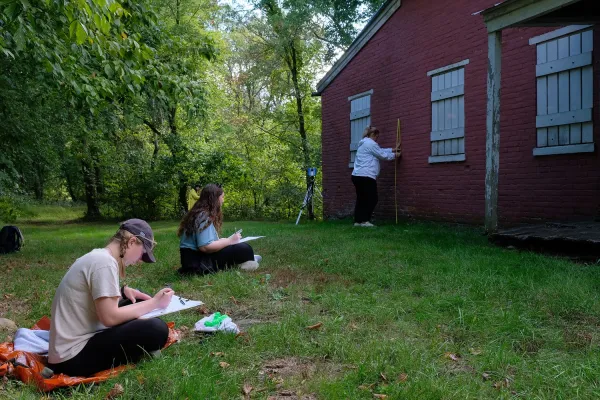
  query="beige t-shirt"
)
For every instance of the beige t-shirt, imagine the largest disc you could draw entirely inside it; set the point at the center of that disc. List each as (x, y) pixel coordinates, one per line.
(74, 318)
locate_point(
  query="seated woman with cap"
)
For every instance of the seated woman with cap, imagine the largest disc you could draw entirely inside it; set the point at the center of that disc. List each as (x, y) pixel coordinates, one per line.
(89, 332)
(201, 249)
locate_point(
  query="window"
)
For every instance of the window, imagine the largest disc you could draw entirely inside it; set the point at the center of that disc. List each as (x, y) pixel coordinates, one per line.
(448, 113)
(564, 74)
(360, 118)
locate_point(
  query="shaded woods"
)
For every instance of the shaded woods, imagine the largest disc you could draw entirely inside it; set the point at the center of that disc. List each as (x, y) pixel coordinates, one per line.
(121, 106)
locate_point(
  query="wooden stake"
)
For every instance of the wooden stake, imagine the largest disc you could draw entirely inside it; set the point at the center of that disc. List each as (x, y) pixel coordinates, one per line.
(398, 145)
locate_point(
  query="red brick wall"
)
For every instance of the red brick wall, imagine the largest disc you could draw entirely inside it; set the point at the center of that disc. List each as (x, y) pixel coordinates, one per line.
(422, 36)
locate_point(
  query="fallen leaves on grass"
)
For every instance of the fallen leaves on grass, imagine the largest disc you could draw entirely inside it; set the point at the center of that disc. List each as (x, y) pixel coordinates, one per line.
(367, 387)
(115, 392)
(217, 354)
(223, 364)
(380, 396)
(504, 383)
(315, 326)
(234, 300)
(402, 377)
(476, 352)
(452, 356)
(203, 310)
(246, 389)
(485, 376)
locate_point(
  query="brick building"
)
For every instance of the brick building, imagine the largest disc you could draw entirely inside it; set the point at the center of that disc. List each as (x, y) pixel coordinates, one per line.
(426, 63)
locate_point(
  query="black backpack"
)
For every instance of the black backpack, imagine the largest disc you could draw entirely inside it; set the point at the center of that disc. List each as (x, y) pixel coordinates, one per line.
(11, 239)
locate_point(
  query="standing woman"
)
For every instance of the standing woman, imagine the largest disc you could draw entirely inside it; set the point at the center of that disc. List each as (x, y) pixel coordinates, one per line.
(89, 332)
(364, 175)
(201, 249)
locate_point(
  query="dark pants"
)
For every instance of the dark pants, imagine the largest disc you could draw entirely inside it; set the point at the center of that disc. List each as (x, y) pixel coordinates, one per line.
(366, 198)
(122, 344)
(200, 263)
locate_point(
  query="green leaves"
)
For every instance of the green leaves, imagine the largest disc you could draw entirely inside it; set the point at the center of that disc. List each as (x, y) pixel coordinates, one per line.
(19, 39)
(78, 32)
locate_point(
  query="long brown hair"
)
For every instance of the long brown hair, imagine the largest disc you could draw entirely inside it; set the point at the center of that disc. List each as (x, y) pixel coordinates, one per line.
(209, 206)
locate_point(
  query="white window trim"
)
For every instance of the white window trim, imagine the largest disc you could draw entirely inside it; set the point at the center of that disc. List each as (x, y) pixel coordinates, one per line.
(358, 96)
(446, 159)
(567, 30)
(564, 149)
(448, 67)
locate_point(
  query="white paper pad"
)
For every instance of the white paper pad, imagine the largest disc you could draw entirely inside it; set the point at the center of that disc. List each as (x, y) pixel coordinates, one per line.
(174, 306)
(242, 240)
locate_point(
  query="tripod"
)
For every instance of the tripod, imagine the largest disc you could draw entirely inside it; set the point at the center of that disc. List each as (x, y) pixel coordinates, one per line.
(310, 192)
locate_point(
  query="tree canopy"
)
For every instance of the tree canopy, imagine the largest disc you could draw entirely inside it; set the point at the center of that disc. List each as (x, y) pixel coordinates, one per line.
(124, 105)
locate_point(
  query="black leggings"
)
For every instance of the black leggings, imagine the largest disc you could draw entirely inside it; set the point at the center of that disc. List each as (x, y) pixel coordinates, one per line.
(122, 344)
(366, 198)
(197, 262)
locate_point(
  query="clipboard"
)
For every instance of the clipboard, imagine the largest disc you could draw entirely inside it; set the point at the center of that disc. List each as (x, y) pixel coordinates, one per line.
(177, 304)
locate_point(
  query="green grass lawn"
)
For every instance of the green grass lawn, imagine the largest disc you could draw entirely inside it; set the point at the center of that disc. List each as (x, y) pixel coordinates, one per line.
(413, 311)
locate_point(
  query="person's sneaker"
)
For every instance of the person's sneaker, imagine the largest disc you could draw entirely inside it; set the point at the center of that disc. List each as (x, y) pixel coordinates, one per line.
(156, 354)
(367, 224)
(358, 224)
(249, 266)
(257, 258)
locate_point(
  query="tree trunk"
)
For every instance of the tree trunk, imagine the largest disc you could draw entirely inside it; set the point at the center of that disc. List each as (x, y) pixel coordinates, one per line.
(293, 65)
(154, 153)
(156, 134)
(176, 150)
(91, 192)
(70, 188)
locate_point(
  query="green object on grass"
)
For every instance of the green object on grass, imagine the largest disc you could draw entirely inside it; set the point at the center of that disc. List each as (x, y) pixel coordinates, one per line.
(216, 320)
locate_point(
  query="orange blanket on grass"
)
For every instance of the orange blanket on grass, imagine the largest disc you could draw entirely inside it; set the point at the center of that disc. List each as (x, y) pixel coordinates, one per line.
(28, 366)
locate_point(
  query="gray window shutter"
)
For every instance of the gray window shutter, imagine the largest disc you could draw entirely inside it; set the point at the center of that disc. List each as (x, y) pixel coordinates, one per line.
(564, 74)
(360, 118)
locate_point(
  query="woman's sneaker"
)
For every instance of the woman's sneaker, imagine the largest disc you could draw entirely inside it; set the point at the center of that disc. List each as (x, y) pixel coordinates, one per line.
(249, 265)
(367, 224)
(257, 258)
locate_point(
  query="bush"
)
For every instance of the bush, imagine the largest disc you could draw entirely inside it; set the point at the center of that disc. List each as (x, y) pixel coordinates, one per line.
(8, 210)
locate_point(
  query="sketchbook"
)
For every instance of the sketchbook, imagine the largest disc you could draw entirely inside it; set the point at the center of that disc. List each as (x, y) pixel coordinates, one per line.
(177, 304)
(242, 240)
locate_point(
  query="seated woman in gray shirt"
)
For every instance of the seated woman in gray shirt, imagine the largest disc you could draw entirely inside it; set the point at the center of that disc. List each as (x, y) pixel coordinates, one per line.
(90, 332)
(201, 249)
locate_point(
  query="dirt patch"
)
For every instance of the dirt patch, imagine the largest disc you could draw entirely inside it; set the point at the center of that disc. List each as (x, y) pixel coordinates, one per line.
(287, 276)
(286, 368)
(528, 346)
(291, 395)
(290, 375)
(12, 307)
(578, 337)
(460, 367)
(579, 318)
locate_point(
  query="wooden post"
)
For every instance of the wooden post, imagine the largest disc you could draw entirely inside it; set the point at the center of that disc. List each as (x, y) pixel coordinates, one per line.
(492, 142)
(398, 145)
